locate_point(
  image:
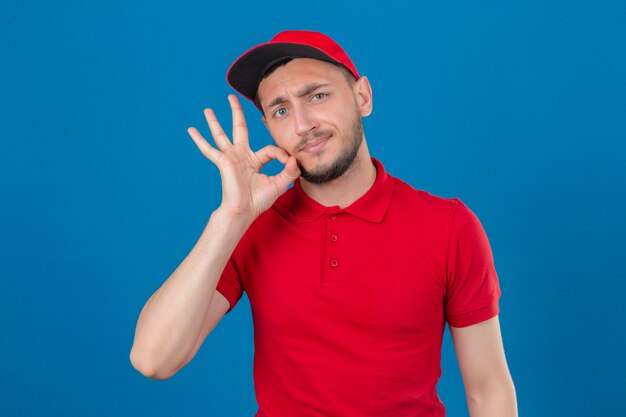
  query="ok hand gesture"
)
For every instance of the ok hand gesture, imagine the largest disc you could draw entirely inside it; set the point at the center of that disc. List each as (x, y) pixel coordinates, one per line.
(245, 191)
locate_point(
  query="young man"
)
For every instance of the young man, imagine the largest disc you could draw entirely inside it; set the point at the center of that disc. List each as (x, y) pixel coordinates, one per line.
(351, 273)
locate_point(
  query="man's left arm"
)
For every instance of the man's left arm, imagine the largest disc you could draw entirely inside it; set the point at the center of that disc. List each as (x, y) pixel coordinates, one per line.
(489, 388)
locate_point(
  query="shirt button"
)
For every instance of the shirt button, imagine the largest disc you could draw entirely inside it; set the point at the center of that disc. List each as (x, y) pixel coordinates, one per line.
(333, 217)
(333, 238)
(334, 263)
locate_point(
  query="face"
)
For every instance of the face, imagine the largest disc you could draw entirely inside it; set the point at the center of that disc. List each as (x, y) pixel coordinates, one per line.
(313, 112)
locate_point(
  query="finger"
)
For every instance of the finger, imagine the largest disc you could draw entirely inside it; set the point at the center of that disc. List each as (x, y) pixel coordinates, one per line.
(240, 128)
(220, 138)
(270, 152)
(206, 149)
(287, 175)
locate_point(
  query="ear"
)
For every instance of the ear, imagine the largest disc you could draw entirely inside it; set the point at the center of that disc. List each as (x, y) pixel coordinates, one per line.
(264, 121)
(363, 94)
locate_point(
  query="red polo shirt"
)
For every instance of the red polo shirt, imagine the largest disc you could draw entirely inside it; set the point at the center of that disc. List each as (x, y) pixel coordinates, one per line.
(349, 305)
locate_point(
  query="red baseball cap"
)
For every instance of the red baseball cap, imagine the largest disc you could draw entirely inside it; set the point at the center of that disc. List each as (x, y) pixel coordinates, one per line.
(245, 74)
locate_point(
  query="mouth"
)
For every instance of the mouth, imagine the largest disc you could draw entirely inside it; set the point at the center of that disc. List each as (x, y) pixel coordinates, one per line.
(316, 145)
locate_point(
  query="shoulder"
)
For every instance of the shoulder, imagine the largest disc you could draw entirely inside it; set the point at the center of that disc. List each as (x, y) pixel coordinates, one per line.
(422, 201)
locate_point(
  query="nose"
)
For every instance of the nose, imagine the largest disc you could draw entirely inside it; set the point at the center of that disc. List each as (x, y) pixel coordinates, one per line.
(304, 120)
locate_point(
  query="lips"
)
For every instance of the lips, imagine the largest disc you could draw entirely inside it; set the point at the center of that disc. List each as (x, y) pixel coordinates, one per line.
(316, 144)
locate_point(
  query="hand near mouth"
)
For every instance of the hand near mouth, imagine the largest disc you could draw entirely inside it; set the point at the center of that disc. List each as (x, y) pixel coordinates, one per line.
(245, 191)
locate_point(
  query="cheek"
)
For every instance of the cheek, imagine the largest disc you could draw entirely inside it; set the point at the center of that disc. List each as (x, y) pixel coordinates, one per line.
(340, 113)
(281, 139)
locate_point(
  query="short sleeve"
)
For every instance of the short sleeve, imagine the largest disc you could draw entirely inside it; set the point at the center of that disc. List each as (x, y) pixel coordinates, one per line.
(229, 284)
(472, 288)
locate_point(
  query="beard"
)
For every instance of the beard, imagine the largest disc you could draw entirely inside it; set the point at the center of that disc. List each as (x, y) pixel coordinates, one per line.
(344, 161)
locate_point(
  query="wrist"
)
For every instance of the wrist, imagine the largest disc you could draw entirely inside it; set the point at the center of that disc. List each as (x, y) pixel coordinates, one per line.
(230, 220)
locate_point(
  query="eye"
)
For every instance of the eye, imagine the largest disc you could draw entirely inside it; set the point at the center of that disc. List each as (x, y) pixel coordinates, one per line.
(280, 112)
(318, 96)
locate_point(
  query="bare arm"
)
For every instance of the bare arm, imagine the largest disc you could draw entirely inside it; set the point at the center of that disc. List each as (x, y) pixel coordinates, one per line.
(183, 311)
(488, 384)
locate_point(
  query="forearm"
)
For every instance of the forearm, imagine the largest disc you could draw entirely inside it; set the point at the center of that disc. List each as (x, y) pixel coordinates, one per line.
(499, 402)
(171, 321)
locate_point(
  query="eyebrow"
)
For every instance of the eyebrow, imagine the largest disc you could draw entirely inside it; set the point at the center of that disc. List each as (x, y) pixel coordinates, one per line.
(307, 89)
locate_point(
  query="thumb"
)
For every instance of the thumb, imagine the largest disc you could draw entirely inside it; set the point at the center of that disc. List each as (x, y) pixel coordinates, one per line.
(287, 175)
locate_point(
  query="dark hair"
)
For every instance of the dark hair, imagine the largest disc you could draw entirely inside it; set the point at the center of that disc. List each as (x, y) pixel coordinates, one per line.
(346, 73)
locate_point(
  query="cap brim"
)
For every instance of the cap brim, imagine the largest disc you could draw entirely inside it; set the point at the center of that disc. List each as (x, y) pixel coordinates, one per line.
(245, 73)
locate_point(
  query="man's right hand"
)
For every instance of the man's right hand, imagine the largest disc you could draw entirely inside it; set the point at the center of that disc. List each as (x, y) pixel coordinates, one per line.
(245, 191)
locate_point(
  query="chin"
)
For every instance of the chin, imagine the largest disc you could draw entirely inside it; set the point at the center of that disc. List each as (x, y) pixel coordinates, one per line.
(316, 162)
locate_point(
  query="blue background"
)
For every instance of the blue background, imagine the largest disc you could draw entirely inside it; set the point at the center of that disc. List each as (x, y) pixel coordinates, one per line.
(518, 108)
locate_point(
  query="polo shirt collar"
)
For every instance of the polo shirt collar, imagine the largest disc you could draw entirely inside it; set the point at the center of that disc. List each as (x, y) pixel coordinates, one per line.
(371, 206)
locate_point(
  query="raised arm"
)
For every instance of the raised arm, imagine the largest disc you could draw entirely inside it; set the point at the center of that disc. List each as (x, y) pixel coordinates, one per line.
(488, 384)
(184, 310)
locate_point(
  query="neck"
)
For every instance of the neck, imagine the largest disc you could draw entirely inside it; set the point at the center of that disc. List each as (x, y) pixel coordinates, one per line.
(349, 187)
